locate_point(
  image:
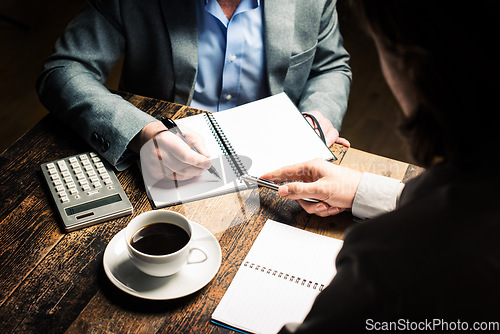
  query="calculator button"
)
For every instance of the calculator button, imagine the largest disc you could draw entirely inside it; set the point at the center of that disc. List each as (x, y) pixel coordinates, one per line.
(51, 166)
(63, 168)
(59, 188)
(97, 185)
(62, 165)
(78, 170)
(57, 182)
(86, 187)
(108, 182)
(73, 191)
(65, 199)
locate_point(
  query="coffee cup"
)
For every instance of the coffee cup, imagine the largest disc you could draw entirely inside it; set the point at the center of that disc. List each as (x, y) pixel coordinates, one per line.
(159, 243)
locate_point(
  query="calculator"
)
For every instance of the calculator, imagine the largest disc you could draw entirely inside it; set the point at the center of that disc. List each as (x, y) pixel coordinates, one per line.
(85, 190)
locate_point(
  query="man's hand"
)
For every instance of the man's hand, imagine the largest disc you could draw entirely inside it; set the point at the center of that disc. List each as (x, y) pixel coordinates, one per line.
(165, 155)
(331, 134)
(333, 185)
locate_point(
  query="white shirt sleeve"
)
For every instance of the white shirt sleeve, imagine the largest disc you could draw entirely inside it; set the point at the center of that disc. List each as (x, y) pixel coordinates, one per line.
(376, 195)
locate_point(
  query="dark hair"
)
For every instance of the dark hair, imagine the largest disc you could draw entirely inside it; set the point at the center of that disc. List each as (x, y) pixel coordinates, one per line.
(448, 50)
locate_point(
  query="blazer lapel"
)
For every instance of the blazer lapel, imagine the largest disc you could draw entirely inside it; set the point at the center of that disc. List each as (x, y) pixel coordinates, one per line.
(279, 21)
(180, 18)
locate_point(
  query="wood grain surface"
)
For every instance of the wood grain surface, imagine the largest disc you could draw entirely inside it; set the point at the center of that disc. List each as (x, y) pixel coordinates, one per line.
(53, 282)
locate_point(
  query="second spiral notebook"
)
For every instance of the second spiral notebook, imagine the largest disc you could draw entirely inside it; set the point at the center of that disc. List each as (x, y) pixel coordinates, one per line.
(279, 279)
(254, 138)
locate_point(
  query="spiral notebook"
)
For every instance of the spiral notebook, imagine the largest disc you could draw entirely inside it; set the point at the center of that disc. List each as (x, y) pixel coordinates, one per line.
(254, 138)
(278, 281)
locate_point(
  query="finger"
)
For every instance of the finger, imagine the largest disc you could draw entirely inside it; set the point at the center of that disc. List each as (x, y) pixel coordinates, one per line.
(197, 141)
(331, 211)
(320, 209)
(331, 136)
(156, 165)
(313, 208)
(299, 190)
(282, 174)
(343, 141)
(176, 154)
(304, 171)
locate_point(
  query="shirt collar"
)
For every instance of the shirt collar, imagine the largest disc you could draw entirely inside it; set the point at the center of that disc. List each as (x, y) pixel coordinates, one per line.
(253, 3)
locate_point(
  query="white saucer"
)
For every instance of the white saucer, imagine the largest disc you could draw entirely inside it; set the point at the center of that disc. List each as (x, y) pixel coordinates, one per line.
(191, 278)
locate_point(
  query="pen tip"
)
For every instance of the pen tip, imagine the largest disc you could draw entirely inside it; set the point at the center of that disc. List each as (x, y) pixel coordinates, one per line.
(214, 172)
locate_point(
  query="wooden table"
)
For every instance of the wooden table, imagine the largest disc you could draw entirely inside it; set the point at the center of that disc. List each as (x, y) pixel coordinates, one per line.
(52, 281)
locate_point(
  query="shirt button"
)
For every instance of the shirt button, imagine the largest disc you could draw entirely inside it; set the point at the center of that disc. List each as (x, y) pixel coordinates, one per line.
(232, 58)
(228, 97)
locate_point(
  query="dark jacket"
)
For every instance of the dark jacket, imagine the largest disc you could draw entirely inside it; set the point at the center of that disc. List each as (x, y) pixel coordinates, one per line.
(435, 259)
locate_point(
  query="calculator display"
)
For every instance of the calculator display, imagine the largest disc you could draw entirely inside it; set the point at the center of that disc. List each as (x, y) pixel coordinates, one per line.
(92, 205)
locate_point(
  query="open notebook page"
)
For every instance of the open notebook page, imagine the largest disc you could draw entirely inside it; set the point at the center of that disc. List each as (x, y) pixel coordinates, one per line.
(273, 133)
(279, 279)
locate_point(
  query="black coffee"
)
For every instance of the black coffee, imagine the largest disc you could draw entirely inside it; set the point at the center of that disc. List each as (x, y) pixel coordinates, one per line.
(159, 239)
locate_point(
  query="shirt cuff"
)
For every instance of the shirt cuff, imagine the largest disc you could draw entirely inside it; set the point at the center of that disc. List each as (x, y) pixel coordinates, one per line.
(376, 195)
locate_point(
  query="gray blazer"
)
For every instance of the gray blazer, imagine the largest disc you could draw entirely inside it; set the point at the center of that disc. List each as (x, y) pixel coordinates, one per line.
(158, 39)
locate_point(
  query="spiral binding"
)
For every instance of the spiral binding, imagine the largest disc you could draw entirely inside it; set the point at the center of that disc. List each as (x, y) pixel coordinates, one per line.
(226, 147)
(286, 277)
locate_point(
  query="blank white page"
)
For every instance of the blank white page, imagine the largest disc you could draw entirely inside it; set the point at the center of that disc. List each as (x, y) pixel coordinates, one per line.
(272, 133)
(279, 279)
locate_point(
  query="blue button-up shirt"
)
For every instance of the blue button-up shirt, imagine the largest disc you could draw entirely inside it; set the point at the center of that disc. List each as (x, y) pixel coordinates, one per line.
(231, 68)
